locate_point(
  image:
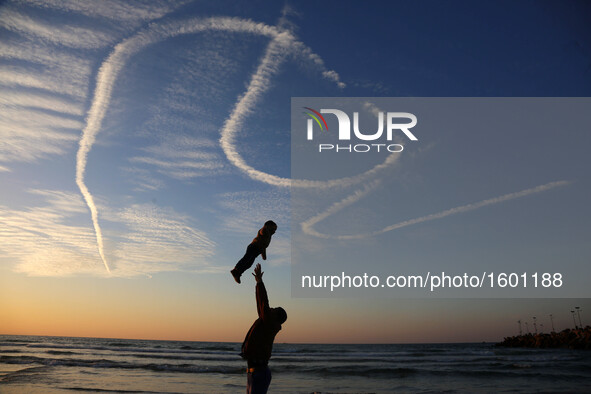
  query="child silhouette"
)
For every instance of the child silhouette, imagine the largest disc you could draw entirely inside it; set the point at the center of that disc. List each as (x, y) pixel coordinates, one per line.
(257, 247)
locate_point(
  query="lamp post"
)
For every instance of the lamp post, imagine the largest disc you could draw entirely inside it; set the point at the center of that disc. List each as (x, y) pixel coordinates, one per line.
(520, 332)
(552, 322)
(535, 327)
(578, 308)
(574, 321)
(526, 327)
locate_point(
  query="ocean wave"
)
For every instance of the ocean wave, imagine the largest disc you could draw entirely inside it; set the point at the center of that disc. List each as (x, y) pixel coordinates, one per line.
(121, 344)
(350, 360)
(96, 390)
(19, 340)
(122, 348)
(106, 363)
(60, 352)
(9, 340)
(57, 346)
(390, 372)
(186, 358)
(11, 351)
(25, 375)
(223, 348)
(15, 343)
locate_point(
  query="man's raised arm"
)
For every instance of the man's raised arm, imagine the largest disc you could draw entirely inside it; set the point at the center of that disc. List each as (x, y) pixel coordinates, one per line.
(263, 308)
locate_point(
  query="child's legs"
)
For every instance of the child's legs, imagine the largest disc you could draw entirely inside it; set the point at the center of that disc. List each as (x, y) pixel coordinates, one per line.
(248, 260)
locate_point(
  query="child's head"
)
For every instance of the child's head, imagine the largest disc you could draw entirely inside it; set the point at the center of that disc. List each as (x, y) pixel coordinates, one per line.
(271, 226)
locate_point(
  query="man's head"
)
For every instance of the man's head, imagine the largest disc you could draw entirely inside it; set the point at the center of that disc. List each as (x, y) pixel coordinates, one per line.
(271, 226)
(279, 314)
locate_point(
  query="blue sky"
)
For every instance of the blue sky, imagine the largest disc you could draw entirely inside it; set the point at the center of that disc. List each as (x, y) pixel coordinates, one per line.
(183, 105)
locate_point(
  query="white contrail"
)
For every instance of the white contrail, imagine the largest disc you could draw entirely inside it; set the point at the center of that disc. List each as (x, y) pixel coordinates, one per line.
(258, 85)
(307, 226)
(283, 42)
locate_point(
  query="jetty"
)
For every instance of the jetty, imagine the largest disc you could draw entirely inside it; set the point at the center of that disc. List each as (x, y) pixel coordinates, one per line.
(578, 338)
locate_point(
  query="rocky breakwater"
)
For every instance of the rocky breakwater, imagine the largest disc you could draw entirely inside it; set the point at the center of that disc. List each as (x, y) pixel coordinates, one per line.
(579, 338)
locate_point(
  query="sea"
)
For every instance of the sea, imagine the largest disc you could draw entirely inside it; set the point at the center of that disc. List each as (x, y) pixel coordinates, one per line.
(34, 364)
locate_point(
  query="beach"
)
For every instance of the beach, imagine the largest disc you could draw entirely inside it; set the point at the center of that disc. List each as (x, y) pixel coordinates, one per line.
(63, 364)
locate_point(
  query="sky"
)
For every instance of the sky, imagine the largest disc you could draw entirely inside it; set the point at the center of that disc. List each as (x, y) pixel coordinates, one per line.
(144, 144)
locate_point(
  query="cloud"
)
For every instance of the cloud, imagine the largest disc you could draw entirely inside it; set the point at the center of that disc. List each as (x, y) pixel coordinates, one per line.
(307, 226)
(377, 88)
(307, 53)
(179, 169)
(109, 70)
(62, 34)
(46, 81)
(157, 239)
(46, 241)
(128, 11)
(40, 101)
(58, 61)
(184, 158)
(24, 144)
(333, 76)
(61, 201)
(143, 179)
(30, 131)
(33, 119)
(195, 98)
(241, 211)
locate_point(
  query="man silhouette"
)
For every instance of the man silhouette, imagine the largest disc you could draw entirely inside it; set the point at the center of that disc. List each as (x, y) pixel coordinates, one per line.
(258, 344)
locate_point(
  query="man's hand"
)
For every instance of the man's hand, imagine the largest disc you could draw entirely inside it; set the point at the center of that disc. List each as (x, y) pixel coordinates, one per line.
(264, 254)
(258, 274)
